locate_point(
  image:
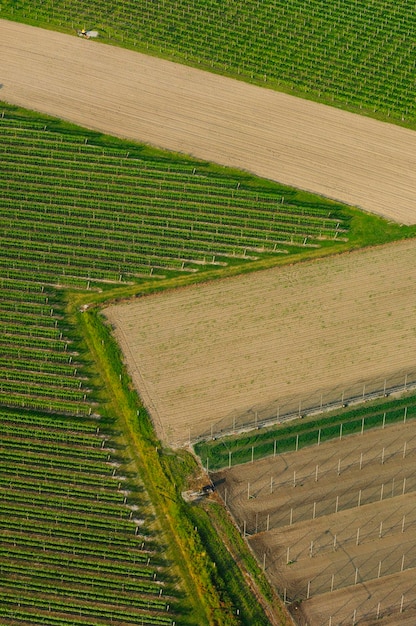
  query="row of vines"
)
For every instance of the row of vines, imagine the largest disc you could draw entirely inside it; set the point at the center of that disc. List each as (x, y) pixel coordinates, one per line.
(81, 214)
(352, 54)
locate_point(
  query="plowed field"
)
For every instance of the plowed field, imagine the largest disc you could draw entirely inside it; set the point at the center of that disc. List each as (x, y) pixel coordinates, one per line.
(201, 355)
(334, 526)
(340, 155)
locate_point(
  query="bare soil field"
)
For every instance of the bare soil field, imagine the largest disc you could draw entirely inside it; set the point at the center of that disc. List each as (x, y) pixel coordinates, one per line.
(205, 353)
(334, 525)
(311, 146)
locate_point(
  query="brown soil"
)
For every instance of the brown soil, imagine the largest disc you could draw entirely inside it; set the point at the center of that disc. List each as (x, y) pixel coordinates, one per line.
(335, 525)
(308, 145)
(201, 355)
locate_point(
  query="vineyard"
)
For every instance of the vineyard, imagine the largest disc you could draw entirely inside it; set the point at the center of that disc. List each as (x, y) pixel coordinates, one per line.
(352, 55)
(333, 524)
(80, 543)
(77, 542)
(296, 434)
(84, 217)
(81, 214)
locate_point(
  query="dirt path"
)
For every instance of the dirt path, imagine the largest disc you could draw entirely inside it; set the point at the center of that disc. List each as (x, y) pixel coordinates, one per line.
(203, 354)
(343, 156)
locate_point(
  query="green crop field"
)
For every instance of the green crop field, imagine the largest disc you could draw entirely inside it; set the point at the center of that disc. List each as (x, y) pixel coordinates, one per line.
(292, 435)
(353, 55)
(87, 536)
(86, 218)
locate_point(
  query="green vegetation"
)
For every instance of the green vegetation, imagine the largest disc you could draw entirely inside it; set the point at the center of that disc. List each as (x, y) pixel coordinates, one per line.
(352, 55)
(296, 434)
(94, 528)
(89, 496)
(83, 213)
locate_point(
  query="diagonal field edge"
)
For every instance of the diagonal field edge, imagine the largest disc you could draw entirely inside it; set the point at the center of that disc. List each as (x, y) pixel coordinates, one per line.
(340, 155)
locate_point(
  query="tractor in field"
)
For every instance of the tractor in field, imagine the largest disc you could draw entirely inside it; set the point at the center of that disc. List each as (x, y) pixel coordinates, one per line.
(87, 34)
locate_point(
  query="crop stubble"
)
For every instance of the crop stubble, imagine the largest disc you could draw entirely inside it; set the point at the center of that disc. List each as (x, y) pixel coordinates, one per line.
(348, 157)
(201, 354)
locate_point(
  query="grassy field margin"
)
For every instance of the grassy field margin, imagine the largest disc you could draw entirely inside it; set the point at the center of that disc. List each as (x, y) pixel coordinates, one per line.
(194, 545)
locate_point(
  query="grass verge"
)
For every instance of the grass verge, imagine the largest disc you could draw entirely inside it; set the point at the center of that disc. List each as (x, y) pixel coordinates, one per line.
(299, 433)
(162, 474)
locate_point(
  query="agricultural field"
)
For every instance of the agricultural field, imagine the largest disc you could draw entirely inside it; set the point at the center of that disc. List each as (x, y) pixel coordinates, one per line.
(78, 539)
(358, 56)
(87, 215)
(334, 526)
(288, 433)
(94, 527)
(208, 358)
(349, 158)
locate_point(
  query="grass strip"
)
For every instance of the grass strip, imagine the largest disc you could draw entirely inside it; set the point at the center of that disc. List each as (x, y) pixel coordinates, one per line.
(299, 433)
(210, 603)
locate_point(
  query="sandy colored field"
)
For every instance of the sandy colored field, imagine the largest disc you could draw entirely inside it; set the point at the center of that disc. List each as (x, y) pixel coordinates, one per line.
(343, 156)
(335, 522)
(203, 353)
